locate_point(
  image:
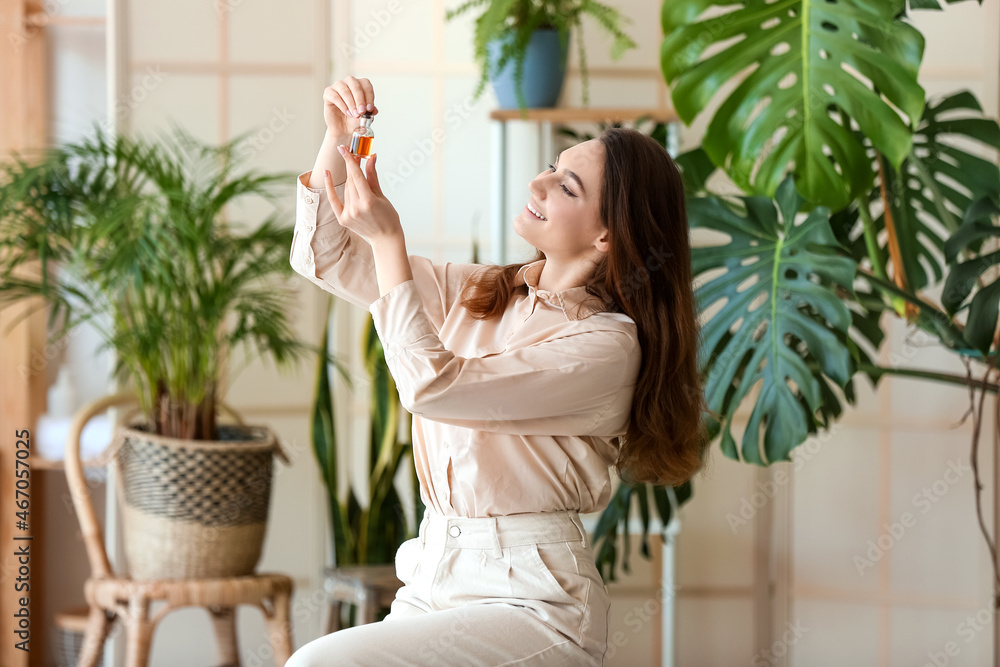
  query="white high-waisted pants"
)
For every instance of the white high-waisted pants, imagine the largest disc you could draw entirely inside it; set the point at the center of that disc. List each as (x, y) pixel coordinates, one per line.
(520, 589)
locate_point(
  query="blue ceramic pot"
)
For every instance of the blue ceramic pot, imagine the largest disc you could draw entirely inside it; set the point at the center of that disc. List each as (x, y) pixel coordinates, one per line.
(544, 70)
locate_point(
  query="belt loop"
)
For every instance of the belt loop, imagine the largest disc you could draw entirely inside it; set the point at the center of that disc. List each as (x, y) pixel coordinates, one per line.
(578, 522)
(497, 551)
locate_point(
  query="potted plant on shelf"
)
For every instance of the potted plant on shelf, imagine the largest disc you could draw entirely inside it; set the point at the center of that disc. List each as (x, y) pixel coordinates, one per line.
(522, 46)
(134, 228)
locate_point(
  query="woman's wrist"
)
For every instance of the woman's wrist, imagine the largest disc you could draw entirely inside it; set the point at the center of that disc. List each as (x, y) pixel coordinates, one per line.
(329, 158)
(392, 263)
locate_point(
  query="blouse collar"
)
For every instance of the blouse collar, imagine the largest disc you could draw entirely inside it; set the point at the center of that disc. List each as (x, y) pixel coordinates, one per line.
(575, 302)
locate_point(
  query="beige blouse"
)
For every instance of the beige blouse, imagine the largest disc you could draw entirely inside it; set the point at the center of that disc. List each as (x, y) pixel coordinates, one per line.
(515, 414)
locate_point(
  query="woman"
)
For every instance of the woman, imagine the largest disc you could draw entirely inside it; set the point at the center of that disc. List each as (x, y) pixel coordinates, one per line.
(526, 382)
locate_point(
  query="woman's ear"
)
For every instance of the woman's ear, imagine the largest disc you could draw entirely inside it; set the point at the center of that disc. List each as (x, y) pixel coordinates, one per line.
(602, 243)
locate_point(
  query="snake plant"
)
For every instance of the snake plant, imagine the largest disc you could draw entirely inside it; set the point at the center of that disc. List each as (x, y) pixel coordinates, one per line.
(369, 533)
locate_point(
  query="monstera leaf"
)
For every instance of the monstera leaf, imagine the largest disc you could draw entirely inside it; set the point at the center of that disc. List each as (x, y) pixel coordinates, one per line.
(979, 224)
(921, 195)
(696, 168)
(812, 61)
(779, 319)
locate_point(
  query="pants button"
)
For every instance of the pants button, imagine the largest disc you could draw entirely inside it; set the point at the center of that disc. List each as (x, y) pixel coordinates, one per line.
(454, 531)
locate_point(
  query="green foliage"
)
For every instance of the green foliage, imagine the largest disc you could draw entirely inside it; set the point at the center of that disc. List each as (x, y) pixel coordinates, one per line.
(925, 204)
(934, 4)
(134, 227)
(825, 114)
(795, 107)
(516, 21)
(920, 165)
(981, 321)
(778, 311)
(667, 500)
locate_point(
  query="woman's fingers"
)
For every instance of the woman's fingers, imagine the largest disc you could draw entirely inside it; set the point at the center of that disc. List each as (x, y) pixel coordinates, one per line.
(351, 187)
(352, 96)
(359, 105)
(354, 175)
(347, 95)
(369, 91)
(373, 176)
(332, 96)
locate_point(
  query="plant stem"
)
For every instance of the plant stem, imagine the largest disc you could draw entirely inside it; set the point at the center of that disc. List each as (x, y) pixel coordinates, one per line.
(935, 376)
(875, 253)
(977, 481)
(898, 269)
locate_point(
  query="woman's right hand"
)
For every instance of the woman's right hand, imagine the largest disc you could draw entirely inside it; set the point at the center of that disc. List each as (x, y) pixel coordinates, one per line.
(341, 104)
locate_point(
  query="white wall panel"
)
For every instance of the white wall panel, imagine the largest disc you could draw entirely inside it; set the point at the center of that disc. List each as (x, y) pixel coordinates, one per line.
(262, 31)
(181, 31)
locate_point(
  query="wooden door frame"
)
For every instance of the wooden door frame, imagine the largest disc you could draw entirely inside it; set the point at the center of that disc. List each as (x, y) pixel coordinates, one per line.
(23, 120)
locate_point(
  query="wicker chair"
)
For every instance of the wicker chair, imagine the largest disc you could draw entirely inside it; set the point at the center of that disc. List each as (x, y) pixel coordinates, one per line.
(110, 595)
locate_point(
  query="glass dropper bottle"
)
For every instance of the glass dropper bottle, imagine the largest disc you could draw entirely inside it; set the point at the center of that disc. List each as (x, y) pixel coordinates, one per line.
(361, 141)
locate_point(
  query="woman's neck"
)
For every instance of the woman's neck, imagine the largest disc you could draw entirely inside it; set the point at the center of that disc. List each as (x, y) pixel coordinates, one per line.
(557, 275)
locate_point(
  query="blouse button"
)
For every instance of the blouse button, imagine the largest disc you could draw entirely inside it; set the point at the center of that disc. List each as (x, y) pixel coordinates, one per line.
(454, 531)
(309, 200)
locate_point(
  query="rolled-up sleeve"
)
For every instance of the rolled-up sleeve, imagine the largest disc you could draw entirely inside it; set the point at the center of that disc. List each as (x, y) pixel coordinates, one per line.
(341, 261)
(578, 384)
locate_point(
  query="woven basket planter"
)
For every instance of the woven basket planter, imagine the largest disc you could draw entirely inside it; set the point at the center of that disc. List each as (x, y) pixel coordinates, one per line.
(194, 509)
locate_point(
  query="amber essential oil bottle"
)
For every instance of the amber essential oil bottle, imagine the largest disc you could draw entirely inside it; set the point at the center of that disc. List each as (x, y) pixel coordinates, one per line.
(361, 142)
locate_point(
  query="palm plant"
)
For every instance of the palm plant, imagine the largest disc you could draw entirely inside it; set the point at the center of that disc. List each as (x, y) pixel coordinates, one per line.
(134, 227)
(519, 19)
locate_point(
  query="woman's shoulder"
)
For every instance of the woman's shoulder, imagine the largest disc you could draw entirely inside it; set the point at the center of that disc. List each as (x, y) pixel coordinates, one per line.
(610, 320)
(608, 325)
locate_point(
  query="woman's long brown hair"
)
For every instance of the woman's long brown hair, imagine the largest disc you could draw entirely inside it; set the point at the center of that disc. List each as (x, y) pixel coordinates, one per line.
(647, 271)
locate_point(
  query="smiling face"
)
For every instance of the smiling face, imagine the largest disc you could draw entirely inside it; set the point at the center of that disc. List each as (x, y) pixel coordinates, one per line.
(567, 195)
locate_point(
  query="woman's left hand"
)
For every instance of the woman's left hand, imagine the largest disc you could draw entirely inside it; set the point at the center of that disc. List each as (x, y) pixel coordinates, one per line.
(365, 210)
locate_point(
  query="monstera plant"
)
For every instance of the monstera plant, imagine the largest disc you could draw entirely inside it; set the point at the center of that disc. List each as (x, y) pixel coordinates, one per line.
(857, 194)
